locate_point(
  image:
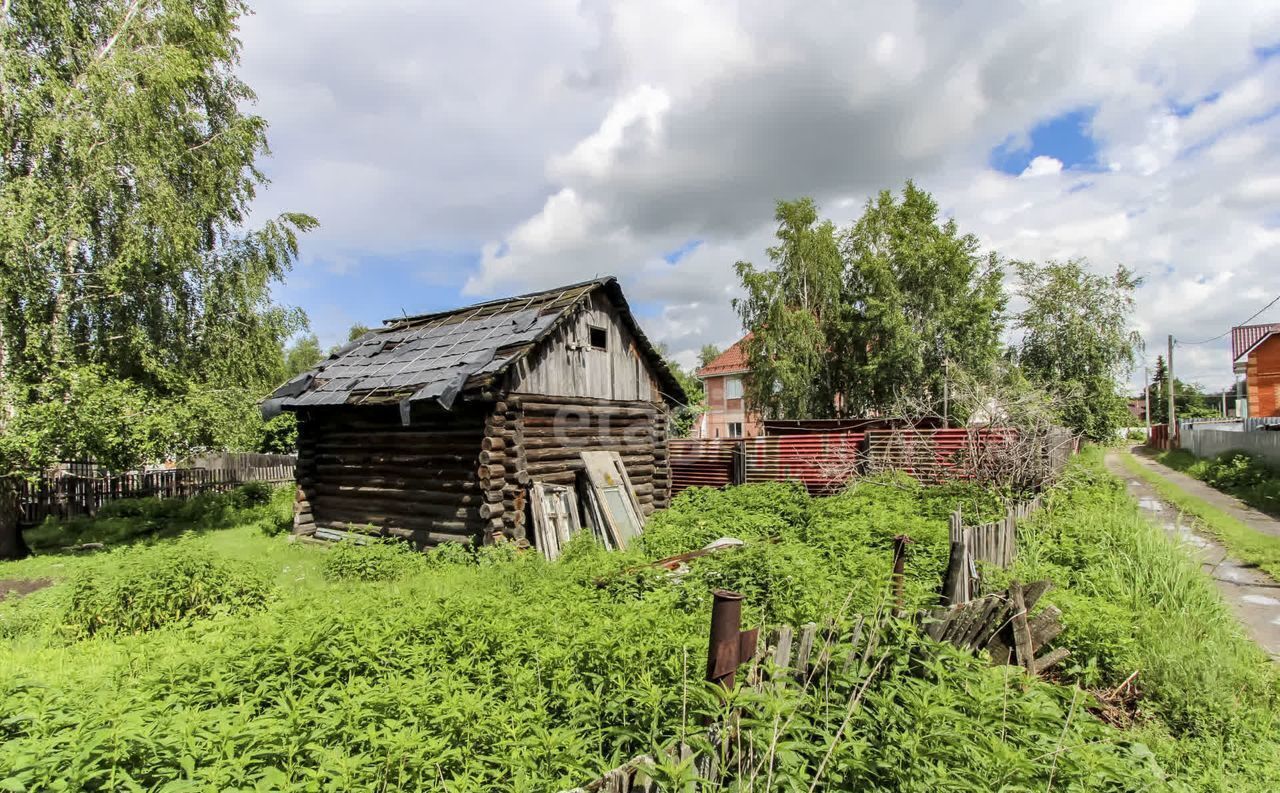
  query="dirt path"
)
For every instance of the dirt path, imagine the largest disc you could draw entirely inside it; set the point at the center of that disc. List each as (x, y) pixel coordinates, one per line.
(1258, 521)
(1251, 594)
(22, 586)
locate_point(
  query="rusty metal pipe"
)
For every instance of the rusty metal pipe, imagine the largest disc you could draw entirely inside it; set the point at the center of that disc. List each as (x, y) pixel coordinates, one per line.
(726, 628)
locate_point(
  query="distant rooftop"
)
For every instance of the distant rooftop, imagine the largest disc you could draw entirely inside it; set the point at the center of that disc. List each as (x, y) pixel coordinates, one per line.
(731, 360)
(1245, 337)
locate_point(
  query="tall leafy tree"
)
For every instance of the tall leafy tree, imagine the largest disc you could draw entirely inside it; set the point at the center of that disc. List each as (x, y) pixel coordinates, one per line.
(707, 354)
(684, 417)
(794, 312)
(1077, 340)
(303, 354)
(919, 297)
(845, 324)
(135, 309)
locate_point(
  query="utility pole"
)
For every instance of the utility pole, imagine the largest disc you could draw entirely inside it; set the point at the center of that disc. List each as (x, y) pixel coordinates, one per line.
(1173, 416)
(1146, 400)
(946, 392)
(1224, 403)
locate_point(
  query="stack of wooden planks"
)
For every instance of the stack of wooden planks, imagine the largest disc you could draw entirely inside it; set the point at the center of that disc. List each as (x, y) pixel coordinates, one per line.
(999, 623)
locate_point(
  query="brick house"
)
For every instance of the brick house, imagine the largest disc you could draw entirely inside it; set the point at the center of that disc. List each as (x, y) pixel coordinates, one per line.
(727, 416)
(1255, 350)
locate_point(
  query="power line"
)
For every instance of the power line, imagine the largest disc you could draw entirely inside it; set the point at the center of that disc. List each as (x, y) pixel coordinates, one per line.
(1228, 330)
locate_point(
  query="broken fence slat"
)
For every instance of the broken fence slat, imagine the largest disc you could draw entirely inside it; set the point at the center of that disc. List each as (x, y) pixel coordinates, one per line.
(807, 635)
(1021, 633)
(1046, 626)
(1032, 592)
(782, 653)
(1050, 660)
(852, 657)
(989, 605)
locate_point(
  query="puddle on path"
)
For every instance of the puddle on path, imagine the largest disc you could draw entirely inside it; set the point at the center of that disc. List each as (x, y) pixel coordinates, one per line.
(1260, 600)
(1231, 573)
(1150, 504)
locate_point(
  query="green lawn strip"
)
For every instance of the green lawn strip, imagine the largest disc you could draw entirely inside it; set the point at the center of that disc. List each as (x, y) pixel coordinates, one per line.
(1237, 473)
(1246, 544)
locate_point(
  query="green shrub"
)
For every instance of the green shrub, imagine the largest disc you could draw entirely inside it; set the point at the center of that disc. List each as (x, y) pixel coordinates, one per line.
(700, 515)
(279, 519)
(126, 519)
(377, 560)
(450, 553)
(143, 588)
(250, 494)
(1248, 478)
(1235, 470)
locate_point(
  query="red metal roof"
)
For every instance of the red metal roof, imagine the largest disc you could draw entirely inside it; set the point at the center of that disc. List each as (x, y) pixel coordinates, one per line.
(733, 359)
(1245, 337)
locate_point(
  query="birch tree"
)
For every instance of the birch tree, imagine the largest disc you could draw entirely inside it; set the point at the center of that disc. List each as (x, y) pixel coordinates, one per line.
(1077, 341)
(135, 309)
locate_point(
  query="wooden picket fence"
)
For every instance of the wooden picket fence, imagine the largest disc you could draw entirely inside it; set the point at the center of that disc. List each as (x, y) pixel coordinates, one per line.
(789, 657)
(63, 495)
(994, 543)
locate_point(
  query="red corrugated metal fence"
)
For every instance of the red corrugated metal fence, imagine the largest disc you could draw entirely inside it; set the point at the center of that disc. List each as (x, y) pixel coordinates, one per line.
(823, 461)
(704, 463)
(926, 453)
(812, 459)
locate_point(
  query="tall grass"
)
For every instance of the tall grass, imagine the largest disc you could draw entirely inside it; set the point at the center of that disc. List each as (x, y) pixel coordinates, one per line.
(497, 671)
(1133, 601)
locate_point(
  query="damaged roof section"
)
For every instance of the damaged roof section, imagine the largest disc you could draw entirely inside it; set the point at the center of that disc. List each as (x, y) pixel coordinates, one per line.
(437, 357)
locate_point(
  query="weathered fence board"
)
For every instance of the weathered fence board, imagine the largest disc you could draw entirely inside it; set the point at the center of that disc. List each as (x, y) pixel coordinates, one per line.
(994, 543)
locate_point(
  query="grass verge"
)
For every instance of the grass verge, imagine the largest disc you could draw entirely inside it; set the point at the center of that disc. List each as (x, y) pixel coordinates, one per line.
(1244, 543)
(1236, 473)
(1133, 601)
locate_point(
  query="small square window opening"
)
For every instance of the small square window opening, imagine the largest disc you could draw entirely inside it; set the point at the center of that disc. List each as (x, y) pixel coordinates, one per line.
(735, 429)
(598, 337)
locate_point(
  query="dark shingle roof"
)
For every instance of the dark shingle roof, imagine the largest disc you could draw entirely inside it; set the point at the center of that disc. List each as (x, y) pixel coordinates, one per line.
(435, 357)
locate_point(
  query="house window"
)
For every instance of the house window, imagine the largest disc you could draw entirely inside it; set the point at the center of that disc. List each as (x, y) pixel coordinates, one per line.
(733, 388)
(735, 429)
(598, 337)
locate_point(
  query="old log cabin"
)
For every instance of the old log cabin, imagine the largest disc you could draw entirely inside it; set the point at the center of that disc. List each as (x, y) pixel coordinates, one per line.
(432, 427)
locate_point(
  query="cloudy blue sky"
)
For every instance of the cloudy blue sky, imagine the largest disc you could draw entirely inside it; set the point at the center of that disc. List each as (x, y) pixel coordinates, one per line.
(460, 150)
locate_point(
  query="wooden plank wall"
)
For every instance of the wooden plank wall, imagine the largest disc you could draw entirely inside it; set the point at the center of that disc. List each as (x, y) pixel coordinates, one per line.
(554, 431)
(567, 365)
(359, 468)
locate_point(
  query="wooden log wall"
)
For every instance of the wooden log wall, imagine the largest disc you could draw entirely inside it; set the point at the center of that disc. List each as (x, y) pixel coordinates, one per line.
(360, 470)
(502, 455)
(551, 433)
